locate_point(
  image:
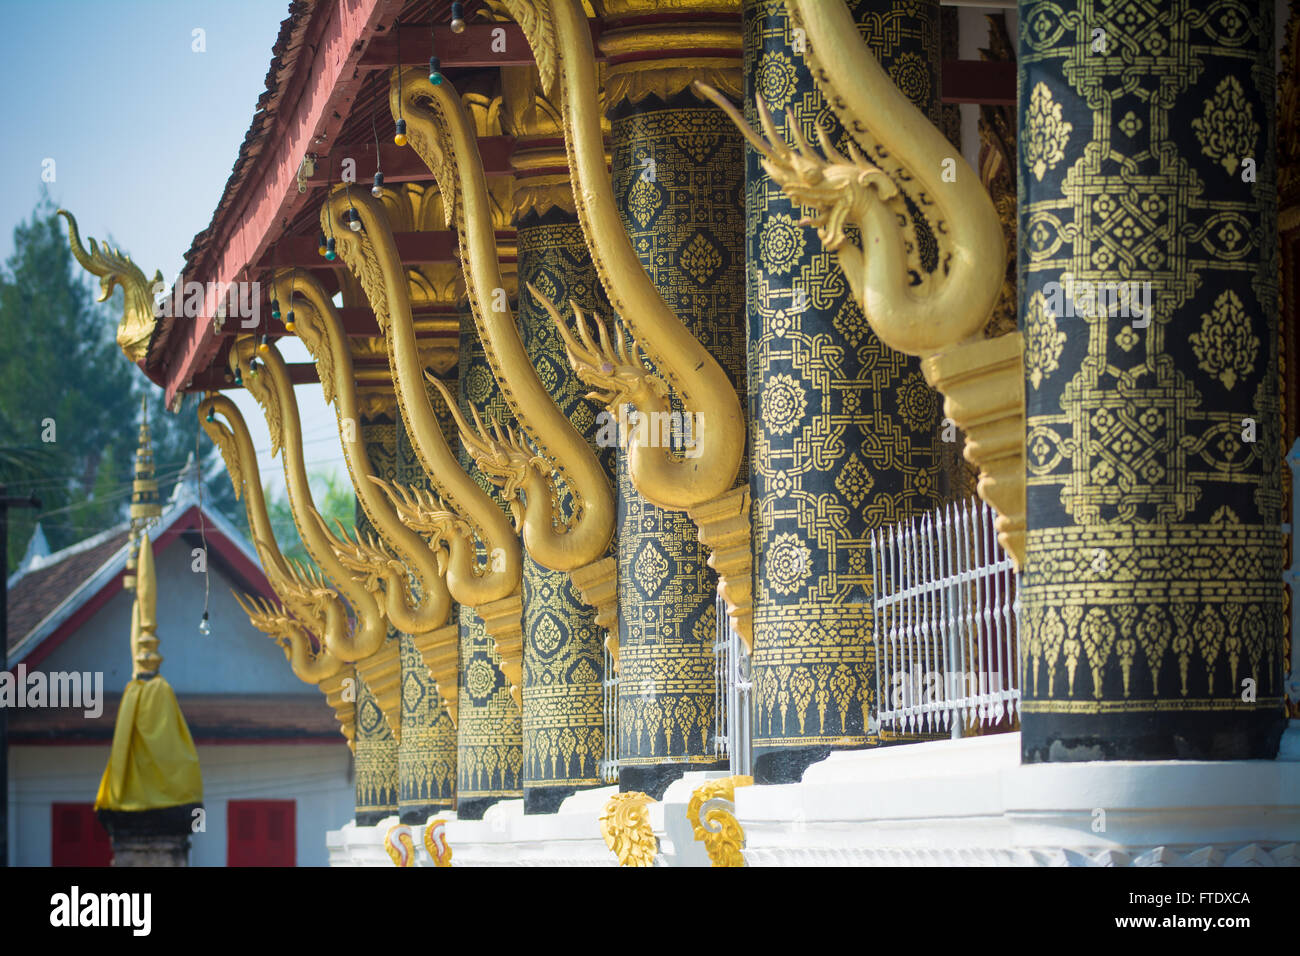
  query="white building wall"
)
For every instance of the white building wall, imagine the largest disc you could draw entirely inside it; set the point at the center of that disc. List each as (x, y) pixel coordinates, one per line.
(318, 777)
(235, 658)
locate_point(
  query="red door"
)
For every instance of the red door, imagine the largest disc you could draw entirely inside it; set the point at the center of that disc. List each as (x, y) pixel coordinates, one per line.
(260, 833)
(77, 838)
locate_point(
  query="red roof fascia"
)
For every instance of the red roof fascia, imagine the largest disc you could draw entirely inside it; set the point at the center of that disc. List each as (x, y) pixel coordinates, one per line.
(329, 82)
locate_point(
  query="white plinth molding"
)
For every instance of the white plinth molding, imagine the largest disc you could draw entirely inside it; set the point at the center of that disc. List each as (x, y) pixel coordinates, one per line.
(948, 802)
(971, 802)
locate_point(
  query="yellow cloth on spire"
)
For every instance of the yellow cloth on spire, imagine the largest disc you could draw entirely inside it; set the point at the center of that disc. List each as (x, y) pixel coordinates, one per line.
(153, 763)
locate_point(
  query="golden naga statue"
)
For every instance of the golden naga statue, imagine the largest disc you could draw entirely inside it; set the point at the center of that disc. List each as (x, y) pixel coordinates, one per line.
(308, 607)
(116, 268)
(319, 327)
(461, 517)
(321, 330)
(701, 484)
(941, 319)
(534, 466)
(270, 386)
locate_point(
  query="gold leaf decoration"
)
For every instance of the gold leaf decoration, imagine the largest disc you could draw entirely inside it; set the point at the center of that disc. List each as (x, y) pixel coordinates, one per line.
(1047, 132)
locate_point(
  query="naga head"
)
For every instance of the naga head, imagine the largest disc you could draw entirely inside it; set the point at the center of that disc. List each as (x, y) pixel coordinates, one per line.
(425, 512)
(613, 367)
(301, 589)
(272, 620)
(114, 268)
(364, 556)
(501, 453)
(838, 187)
(308, 657)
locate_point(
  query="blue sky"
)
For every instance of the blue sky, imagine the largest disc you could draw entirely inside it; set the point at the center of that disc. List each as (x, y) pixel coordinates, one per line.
(143, 131)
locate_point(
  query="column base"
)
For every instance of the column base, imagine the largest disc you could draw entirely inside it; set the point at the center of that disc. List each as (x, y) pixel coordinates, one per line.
(1052, 738)
(150, 837)
(656, 778)
(786, 764)
(418, 813)
(475, 807)
(546, 799)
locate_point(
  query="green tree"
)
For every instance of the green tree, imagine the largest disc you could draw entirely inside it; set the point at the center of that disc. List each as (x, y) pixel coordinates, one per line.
(334, 499)
(64, 386)
(70, 401)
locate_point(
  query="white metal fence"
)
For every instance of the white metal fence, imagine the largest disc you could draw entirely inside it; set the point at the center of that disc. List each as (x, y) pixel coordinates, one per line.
(609, 762)
(945, 622)
(733, 694)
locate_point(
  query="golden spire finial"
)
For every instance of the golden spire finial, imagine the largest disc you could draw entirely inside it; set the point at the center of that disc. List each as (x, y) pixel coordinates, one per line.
(144, 623)
(145, 508)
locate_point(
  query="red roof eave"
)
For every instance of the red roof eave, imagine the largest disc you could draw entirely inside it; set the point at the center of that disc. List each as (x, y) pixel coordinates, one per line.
(325, 83)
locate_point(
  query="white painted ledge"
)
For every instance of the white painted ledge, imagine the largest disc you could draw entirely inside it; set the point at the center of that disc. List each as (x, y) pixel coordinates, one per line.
(971, 802)
(949, 802)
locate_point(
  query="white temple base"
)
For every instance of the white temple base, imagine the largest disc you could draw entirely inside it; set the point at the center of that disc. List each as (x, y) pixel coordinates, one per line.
(971, 802)
(949, 802)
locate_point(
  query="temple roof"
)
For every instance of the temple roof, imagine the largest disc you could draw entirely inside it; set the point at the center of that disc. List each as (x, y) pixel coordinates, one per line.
(312, 85)
(51, 596)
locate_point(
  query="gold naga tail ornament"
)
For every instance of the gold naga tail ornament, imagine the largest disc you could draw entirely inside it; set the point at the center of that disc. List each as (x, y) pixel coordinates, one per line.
(399, 844)
(366, 642)
(435, 841)
(700, 484)
(712, 815)
(533, 467)
(942, 318)
(308, 608)
(465, 518)
(627, 831)
(115, 268)
(320, 329)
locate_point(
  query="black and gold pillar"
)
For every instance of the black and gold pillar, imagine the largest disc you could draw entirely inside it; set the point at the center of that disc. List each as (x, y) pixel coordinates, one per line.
(376, 745)
(489, 734)
(1152, 593)
(843, 429)
(426, 754)
(678, 172)
(564, 663)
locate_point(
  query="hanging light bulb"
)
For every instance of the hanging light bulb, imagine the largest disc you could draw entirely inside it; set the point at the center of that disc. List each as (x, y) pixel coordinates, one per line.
(435, 71)
(400, 138)
(320, 243)
(212, 417)
(264, 344)
(457, 18)
(275, 308)
(252, 367)
(354, 219)
(239, 376)
(289, 323)
(330, 254)
(204, 627)
(377, 189)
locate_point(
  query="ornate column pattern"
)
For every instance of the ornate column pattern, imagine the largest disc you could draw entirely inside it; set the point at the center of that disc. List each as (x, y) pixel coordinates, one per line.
(1152, 594)
(564, 663)
(376, 744)
(489, 745)
(678, 175)
(843, 428)
(1288, 216)
(426, 755)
